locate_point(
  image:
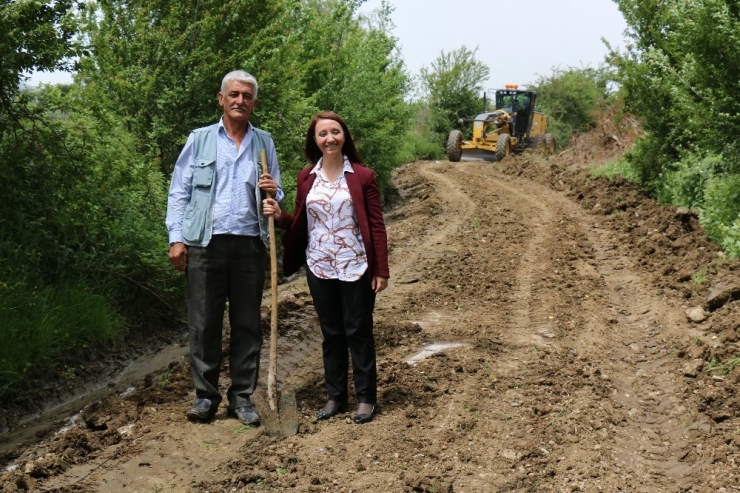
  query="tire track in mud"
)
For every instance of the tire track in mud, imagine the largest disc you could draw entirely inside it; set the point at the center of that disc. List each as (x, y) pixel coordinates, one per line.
(421, 185)
(419, 191)
(632, 327)
(648, 383)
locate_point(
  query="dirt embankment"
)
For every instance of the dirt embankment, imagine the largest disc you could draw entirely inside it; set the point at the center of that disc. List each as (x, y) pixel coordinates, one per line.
(576, 368)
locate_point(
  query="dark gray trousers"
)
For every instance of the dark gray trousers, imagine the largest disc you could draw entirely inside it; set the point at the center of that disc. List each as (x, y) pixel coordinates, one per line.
(345, 311)
(230, 268)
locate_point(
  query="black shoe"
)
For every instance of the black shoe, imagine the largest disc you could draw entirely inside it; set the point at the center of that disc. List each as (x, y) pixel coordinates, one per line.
(332, 408)
(202, 410)
(245, 414)
(365, 417)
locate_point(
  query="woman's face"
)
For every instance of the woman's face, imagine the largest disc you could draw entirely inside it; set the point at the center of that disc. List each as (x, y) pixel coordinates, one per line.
(329, 137)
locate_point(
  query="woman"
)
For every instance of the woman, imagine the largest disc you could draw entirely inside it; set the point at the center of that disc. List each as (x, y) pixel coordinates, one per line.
(339, 234)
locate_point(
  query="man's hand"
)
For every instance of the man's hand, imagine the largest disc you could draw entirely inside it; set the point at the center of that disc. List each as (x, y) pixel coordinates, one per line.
(179, 256)
(268, 184)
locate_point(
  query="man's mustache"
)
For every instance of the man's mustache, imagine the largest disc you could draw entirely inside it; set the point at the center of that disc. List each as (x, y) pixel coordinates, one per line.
(238, 107)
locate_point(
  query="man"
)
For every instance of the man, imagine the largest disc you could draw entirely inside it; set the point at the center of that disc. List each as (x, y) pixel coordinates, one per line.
(217, 237)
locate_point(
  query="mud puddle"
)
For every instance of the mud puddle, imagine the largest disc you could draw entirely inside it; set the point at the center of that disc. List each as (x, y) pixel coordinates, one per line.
(432, 349)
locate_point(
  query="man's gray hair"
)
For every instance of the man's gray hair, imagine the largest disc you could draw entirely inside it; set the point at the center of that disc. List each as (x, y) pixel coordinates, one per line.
(239, 76)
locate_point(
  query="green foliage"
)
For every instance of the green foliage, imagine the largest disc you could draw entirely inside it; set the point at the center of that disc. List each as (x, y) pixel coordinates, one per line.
(571, 97)
(85, 216)
(419, 141)
(159, 66)
(731, 238)
(37, 35)
(89, 164)
(452, 88)
(717, 367)
(620, 167)
(419, 148)
(680, 77)
(685, 182)
(721, 208)
(85, 205)
(38, 326)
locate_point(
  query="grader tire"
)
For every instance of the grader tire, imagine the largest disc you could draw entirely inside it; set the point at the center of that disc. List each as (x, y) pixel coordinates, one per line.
(454, 146)
(538, 144)
(550, 144)
(503, 147)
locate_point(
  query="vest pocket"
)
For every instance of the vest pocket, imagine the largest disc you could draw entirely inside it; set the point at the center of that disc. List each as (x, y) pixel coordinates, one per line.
(194, 220)
(203, 173)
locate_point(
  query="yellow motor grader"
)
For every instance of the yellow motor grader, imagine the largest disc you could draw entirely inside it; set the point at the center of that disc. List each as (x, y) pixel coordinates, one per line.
(514, 126)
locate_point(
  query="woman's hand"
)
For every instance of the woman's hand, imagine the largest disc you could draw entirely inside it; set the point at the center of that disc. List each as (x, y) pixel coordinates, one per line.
(379, 284)
(270, 207)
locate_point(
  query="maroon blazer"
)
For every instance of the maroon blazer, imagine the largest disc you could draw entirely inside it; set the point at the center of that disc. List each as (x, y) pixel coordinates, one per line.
(363, 188)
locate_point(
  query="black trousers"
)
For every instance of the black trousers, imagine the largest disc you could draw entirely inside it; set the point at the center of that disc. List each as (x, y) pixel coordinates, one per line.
(230, 268)
(345, 311)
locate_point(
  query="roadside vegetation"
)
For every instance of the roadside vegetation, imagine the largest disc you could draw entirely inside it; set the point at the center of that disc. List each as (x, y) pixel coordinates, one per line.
(83, 250)
(679, 75)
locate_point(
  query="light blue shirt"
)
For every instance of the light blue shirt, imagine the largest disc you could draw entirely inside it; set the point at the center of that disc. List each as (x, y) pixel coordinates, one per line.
(234, 207)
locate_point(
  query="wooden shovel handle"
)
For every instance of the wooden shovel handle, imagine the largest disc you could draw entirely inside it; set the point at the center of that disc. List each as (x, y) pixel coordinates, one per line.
(272, 369)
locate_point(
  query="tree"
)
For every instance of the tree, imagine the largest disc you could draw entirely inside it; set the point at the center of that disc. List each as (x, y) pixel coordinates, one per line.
(159, 66)
(680, 76)
(571, 98)
(37, 35)
(452, 87)
(353, 67)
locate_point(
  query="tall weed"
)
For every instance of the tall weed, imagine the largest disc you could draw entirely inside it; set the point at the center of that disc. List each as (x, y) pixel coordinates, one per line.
(39, 325)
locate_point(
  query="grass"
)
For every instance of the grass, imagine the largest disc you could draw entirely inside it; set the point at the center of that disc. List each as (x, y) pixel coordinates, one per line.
(164, 380)
(617, 167)
(699, 278)
(718, 368)
(39, 326)
(243, 428)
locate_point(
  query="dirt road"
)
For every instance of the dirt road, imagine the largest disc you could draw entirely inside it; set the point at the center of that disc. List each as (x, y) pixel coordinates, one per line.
(565, 359)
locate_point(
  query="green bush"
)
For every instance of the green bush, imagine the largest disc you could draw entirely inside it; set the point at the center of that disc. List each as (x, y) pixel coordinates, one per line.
(39, 325)
(731, 238)
(685, 184)
(417, 147)
(85, 216)
(721, 209)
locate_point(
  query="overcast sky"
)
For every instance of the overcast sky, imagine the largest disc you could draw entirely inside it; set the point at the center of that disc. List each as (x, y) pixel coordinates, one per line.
(517, 40)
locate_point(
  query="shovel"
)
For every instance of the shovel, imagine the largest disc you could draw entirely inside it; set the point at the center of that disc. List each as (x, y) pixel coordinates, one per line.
(282, 417)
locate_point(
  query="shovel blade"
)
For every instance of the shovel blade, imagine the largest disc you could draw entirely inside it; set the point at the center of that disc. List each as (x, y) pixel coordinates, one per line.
(284, 420)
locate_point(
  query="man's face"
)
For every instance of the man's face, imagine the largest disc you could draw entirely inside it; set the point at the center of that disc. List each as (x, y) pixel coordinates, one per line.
(238, 101)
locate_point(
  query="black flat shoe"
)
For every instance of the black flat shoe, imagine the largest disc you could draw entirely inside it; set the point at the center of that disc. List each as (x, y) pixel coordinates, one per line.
(365, 417)
(332, 408)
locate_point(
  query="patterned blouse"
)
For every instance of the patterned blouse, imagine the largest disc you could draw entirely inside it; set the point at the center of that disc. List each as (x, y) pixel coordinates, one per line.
(335, 249)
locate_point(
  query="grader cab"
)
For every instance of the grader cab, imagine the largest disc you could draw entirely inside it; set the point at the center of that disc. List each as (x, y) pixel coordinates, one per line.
(514, 126)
